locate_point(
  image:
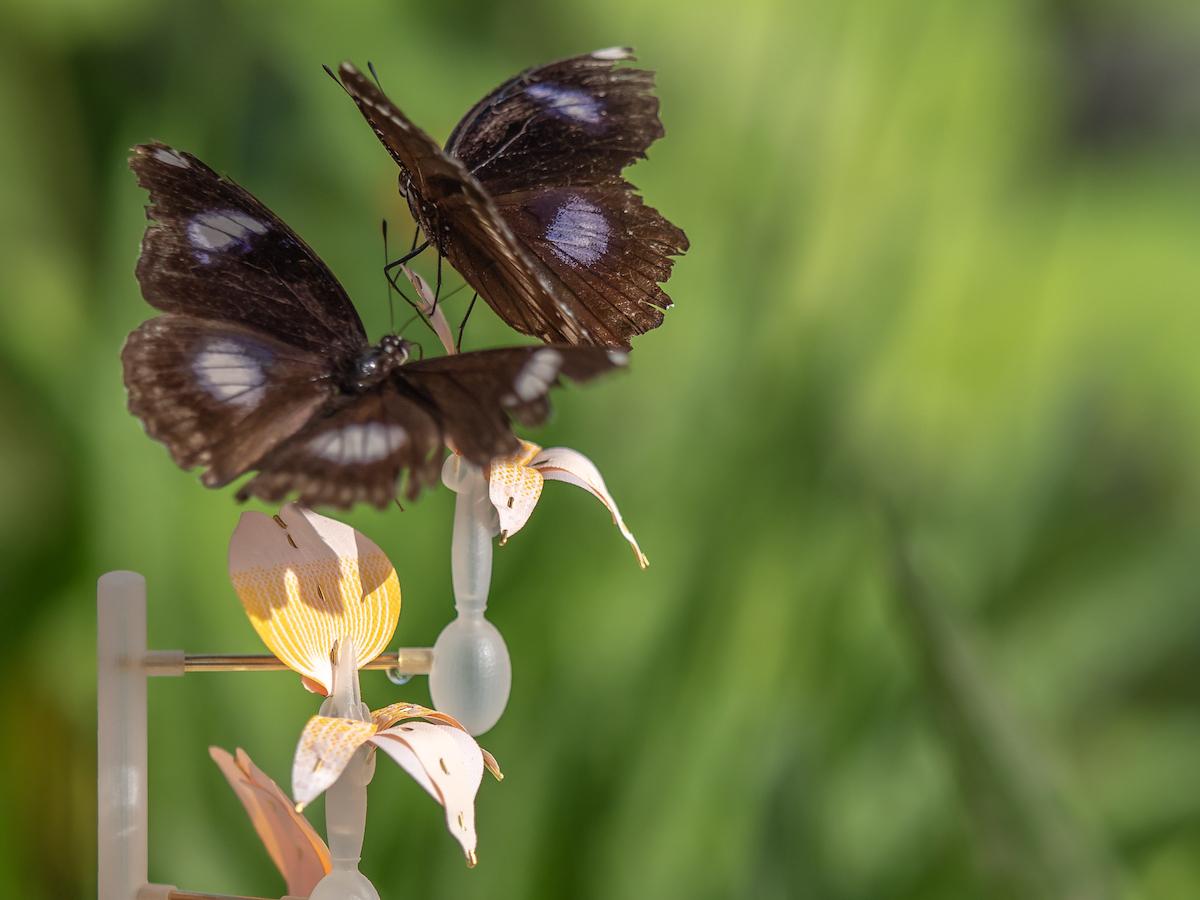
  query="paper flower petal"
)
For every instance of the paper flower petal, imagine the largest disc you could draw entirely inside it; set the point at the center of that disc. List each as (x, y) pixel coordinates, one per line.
(514, 489)
(447, 763)
(431, 309)
(326, 746)
(397, 712)
(307, 580)
(293, 844)
(562, 464)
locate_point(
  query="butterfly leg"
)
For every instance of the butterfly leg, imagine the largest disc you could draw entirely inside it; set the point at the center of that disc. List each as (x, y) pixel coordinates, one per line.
(462, 325)
(437, 291)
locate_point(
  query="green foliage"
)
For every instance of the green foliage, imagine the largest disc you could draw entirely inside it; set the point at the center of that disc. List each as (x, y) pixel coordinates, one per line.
(943, 277)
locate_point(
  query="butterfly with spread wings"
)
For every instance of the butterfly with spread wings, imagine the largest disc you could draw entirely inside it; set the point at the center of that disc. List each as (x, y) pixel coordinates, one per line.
(260, 362)
(528, 203)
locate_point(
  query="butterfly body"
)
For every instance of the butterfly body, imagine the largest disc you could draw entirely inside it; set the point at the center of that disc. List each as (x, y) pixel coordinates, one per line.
(528, 203)
(259, 361)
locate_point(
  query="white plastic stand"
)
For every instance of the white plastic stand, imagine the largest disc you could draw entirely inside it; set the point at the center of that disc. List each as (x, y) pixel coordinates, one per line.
(121, 735)
(471, 674)
(122, 666)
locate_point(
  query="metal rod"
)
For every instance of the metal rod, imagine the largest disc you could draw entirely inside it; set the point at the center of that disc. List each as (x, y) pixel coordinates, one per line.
(409, 660)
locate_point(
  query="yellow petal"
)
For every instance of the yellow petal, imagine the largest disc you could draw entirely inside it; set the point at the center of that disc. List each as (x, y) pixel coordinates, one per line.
(306, 580)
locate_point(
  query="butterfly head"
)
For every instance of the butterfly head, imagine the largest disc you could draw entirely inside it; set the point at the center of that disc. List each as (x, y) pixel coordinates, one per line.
(380, 361)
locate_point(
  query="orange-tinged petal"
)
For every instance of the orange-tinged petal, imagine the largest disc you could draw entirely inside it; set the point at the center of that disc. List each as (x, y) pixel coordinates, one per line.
(306, 580)
(293, 844)
(448, 764)
(514, 488)
(325, 748)
(395, 712)
(562, 464)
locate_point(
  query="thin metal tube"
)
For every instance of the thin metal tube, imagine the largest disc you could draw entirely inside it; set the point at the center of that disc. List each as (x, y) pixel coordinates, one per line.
(409, 660)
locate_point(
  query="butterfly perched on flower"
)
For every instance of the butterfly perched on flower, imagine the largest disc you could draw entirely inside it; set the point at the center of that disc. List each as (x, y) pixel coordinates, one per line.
(528, 203)
(259, 361)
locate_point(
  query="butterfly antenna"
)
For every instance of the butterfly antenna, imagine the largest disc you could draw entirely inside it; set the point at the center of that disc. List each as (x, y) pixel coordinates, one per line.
(336, 80)
(391, 306)
(462, 326)
(374, 74)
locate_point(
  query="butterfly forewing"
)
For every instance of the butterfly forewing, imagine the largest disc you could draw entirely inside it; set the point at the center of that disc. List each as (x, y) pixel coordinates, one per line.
(213, 251)
(577, 121)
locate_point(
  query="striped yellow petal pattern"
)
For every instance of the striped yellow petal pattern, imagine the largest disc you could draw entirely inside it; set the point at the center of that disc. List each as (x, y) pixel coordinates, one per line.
(514, 487)
(305, 581)
(325, 749)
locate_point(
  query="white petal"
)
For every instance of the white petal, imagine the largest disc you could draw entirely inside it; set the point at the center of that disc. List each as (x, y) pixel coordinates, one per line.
(447, 763)
(563, 464)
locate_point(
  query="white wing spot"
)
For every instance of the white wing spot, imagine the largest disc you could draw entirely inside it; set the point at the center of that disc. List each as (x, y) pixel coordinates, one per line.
(171, 158)
(220, 229)
(232, 372)
(618, 357)
(537, 374)
(567, 103)
(578, 233)
(359, 443)
(612, 53)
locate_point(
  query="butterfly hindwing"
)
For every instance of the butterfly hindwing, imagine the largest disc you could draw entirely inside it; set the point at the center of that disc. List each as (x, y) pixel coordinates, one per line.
(356, 452)
(213, 251)
(602, 245)
(478, 392)
(217, 394)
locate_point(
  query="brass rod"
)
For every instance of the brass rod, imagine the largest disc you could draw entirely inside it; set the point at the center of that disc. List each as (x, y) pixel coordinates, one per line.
(410, 661)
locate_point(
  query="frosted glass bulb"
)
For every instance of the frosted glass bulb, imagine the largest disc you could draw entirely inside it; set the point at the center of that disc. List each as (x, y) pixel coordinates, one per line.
(471, 674)
(344, 884)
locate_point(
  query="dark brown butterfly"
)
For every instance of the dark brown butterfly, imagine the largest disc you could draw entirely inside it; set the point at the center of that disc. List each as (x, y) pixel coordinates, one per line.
(527, 201)
(260, 361)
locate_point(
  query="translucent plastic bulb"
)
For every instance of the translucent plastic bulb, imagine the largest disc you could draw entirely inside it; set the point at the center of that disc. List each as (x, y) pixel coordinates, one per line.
(471, 674)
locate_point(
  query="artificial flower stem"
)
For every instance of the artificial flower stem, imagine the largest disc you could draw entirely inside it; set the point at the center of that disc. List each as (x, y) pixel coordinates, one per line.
(471, 672)
(475, 526)
(346, 799)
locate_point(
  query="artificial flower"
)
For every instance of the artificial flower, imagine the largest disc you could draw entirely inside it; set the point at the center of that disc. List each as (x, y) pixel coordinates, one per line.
(515, 485)
(312, 585)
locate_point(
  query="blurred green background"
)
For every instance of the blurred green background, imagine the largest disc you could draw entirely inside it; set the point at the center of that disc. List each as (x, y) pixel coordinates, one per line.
(914, 457)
